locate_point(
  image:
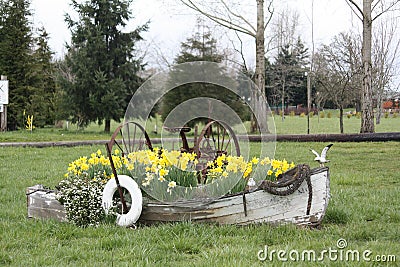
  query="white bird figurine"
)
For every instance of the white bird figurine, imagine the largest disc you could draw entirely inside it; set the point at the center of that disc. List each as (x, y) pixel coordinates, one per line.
(322, 158)
(251, 184)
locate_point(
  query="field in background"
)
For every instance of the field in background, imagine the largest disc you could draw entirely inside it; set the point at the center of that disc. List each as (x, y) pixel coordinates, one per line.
(365, 186)
(290, 125)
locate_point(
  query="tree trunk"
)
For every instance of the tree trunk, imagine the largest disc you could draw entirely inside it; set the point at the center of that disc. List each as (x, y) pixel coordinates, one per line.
(107, 126)
(341, 119)
(379, 109)
(283, 101)
(367, 118)
(358, 106)
(260, 60)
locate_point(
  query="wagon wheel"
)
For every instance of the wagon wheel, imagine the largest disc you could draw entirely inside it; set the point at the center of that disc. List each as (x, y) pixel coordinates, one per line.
(215, 139)
(132, 137)
(182, 130)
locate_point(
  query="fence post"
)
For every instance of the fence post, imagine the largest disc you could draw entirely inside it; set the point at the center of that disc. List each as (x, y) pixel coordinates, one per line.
(3, 115)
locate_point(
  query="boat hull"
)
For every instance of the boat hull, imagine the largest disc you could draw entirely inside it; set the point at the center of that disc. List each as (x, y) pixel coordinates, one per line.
(252, 207)
(241, 209)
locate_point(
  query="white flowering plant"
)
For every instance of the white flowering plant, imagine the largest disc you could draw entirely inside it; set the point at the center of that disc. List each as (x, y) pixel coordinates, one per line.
(81, 190)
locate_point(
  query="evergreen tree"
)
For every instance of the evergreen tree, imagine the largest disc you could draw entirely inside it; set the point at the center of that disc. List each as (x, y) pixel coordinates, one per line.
(41, 102)
(16, 57)
(287, 80)
(200, 47)
(102, 61)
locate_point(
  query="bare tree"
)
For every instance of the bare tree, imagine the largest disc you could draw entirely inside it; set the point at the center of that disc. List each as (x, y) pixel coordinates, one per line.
(226, 16)
(284, 29)
(285, 42)
(384, 53)
(369, 11)
(337, 67)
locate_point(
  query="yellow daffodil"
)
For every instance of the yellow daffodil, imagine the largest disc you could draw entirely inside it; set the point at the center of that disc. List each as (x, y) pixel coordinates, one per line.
(163, 172)
(255, 160)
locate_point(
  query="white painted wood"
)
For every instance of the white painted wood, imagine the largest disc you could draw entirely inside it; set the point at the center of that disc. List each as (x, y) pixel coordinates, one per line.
(262, 207)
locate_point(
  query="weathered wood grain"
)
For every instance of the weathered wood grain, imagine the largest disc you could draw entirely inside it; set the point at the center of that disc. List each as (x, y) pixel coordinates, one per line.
(261, 207)
(42, 203)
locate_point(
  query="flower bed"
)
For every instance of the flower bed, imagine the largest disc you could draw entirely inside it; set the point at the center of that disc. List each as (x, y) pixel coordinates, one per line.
(168, 175)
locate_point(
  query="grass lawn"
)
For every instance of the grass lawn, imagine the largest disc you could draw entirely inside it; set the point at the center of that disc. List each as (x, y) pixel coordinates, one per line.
(298, 125)
(364, 210)
(290, 125)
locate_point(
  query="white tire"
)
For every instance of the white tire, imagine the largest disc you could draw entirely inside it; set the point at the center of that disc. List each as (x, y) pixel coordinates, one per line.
(129, 184)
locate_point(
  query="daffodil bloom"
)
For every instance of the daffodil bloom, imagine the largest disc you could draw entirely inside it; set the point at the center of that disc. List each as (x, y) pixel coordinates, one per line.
(130, 166)
(265, 161)
(210, 164)
(172, 184)
(159, 164)
(255, 160)
(278, 172)
(163, 172)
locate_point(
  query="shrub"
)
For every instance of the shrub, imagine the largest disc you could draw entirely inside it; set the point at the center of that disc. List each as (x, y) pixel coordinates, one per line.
(349, 115)
(329, 115)
(81, 190)
(311, 114)
(291, 114)
(386, 115)
(302, 115)
(322, 114)
(82, 199)
(358, 115)
(394, 115)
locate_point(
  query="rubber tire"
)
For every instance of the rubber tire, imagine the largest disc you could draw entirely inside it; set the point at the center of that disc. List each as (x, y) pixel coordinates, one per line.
(129, 184)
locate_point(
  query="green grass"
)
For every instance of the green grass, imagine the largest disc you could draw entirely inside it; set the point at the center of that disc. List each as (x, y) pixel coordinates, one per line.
(298, 125)
(290, 125)
(365, 187)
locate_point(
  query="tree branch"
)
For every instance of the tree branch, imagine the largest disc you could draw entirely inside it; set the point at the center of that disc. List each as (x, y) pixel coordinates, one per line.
(386, 10)
(221, 21)
(238, 16)
(353, 5)
(240, 51)
(271, 12)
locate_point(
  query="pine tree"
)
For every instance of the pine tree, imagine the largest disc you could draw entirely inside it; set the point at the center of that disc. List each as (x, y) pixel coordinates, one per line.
(287, 78)
(200, 47)
(102, 60)
(16, 57)
(41, 102)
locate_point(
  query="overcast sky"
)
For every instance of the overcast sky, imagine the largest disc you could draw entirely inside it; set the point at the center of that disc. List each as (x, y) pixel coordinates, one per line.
(171, 23)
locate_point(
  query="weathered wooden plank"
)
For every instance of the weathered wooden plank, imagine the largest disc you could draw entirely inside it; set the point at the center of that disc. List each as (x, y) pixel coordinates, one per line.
(357, 137)
(364, 137)
(261, 206)
(43, 204)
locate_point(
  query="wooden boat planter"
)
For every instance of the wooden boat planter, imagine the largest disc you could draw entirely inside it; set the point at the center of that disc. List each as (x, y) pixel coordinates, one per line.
(302, 207)
(299, 196)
